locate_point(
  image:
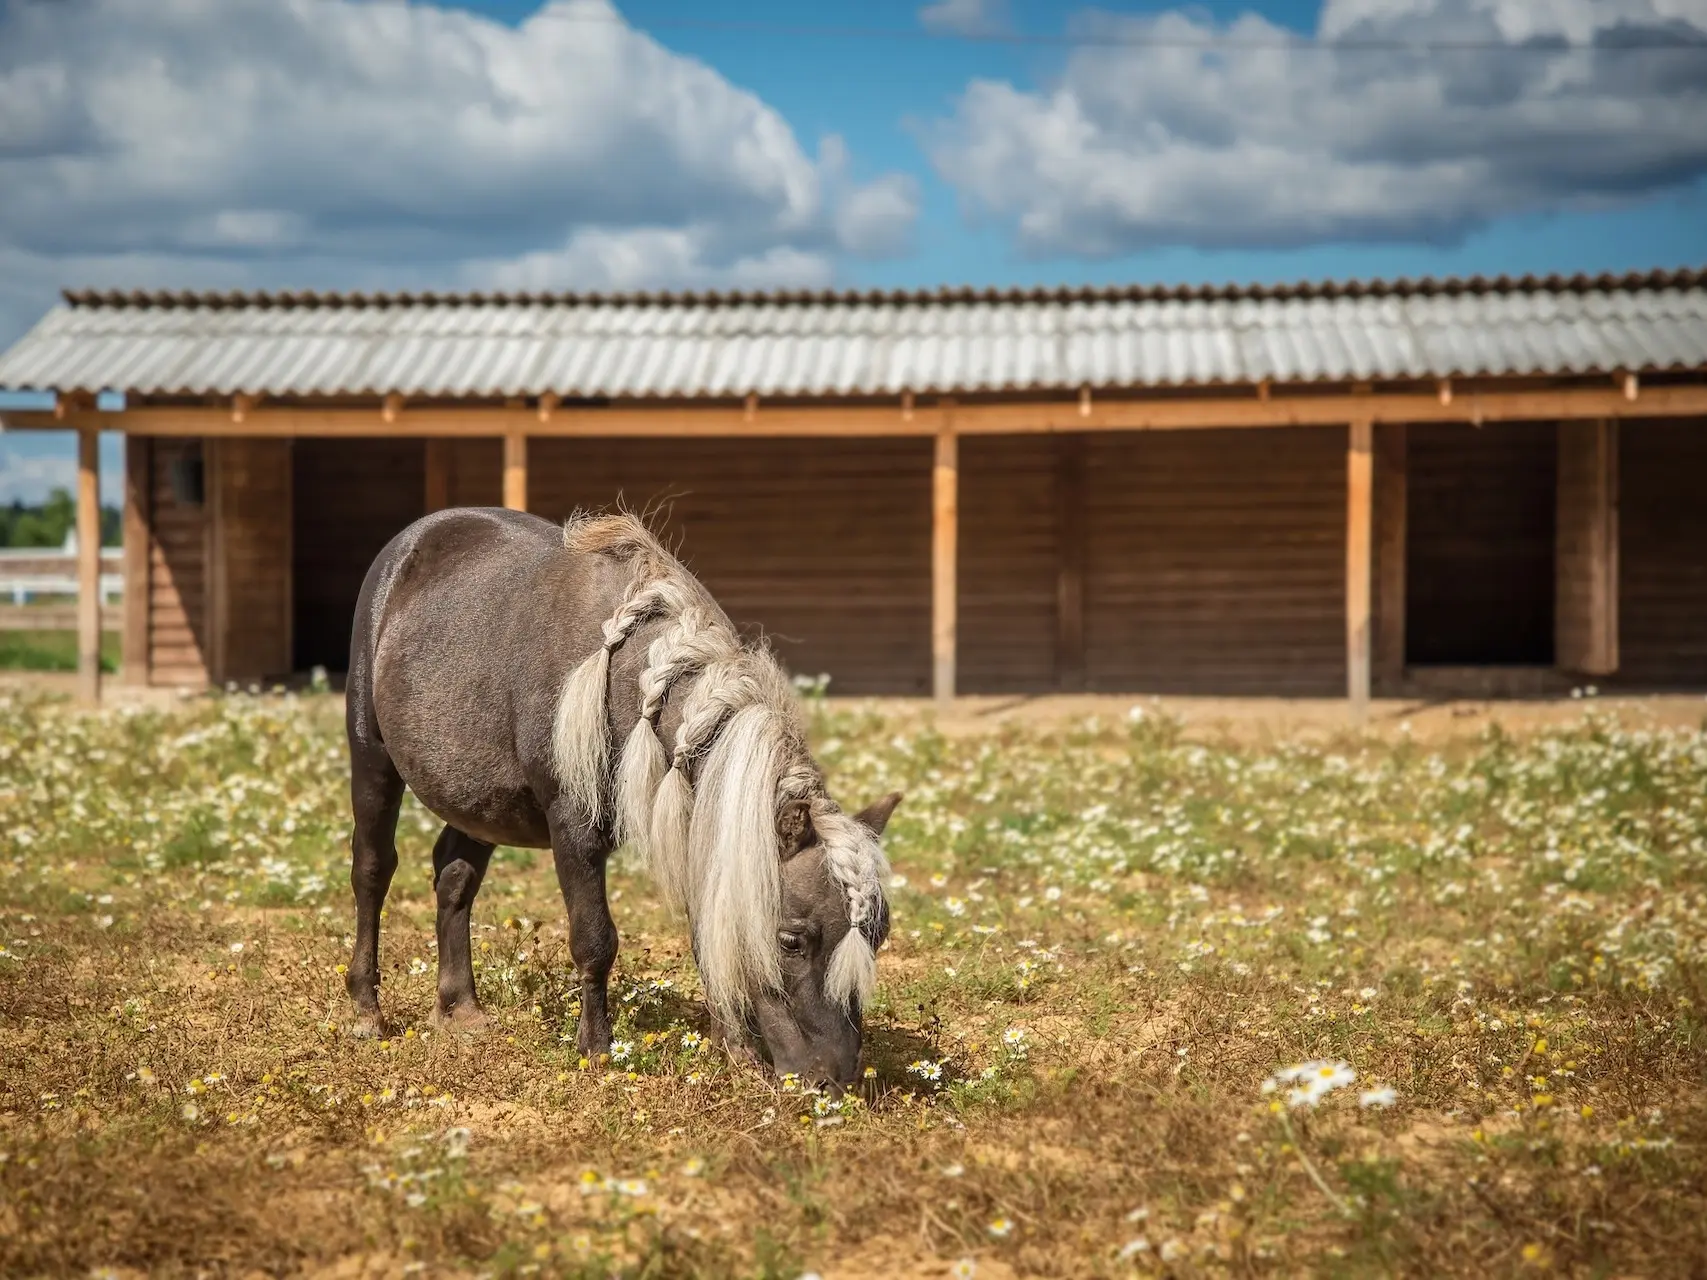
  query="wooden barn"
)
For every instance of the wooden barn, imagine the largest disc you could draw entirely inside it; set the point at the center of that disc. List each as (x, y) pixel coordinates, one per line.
(1320, 489)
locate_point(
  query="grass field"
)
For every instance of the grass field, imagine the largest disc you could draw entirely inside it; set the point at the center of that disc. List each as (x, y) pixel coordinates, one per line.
(1107, 939)
(51, 651)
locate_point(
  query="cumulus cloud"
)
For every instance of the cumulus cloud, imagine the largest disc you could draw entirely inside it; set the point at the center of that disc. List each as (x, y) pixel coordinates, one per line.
(371, 142)
(965, 17)
(1172, 129)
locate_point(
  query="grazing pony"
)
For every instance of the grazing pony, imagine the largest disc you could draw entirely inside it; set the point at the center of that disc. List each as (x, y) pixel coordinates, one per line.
(572, 687)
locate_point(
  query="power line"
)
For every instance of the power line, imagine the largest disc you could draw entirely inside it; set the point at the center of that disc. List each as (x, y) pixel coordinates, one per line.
(1145, 40)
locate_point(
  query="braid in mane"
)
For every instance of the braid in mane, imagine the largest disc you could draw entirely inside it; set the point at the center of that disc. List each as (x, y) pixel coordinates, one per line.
(703, 814)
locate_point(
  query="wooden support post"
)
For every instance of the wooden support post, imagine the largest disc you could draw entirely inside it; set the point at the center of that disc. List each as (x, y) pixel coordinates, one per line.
(216, 597)
(516, 471)
(1585, 636)
(1070, 563)
(1391, 525)
(438, 474)
(945, 531)
(138, 530)
(89, 565)
(1359, 527)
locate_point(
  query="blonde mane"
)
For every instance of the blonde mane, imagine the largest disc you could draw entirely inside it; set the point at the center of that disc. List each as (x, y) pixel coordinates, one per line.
(704, 816)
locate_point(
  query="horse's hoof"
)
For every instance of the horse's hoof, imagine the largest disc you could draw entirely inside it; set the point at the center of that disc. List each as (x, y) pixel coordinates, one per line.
(367, 1026)
(467, 1018)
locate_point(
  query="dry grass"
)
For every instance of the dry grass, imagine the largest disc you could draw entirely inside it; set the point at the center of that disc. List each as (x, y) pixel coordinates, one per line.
(1107, 939)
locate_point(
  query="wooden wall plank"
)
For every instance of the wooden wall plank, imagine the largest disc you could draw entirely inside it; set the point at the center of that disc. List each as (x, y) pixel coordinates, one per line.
(1009, 565)
(252, 558)
(822, 546)
(1070, 563)
(177, 568)
(1215, 562)
(439, 461)
(1662, 569)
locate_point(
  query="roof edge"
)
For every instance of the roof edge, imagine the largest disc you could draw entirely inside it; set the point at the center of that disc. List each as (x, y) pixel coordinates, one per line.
(1581, 283)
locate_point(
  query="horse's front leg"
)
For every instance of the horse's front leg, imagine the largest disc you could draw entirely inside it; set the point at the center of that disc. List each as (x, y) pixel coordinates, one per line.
(580, 853)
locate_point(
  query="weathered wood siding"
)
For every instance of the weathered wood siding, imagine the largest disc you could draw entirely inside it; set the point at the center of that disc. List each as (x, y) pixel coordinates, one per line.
(821, 545)
(1479, 578)
(476, 472)
(178, 649)
(250, 494)
(1215, 561)
(1662, 566)
(348, 498)
(1009, 564)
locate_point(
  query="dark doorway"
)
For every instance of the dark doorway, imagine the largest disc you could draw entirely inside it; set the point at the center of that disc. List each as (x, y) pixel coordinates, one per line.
(1479, 551)
(349, 498)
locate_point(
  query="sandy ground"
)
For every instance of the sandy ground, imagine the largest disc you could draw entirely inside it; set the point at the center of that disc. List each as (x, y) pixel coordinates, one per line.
(1249, 720)
(1265, 719)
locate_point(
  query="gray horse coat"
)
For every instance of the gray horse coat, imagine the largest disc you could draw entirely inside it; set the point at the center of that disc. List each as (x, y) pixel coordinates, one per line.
(550, 687)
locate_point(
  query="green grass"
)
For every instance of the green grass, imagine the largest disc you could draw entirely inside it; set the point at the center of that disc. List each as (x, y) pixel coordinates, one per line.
(52, 651)
(1108, 937)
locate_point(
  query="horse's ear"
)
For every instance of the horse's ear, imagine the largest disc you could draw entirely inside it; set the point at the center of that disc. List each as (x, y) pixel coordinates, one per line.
(875, 816)
(794, 828)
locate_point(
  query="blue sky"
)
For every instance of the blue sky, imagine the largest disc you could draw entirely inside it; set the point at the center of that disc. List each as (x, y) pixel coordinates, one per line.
(660, 143)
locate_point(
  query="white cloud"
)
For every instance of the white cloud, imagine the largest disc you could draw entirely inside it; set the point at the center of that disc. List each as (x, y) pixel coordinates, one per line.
(1152, 137)
(364, 143)
(965, 17)
(876, 220)
(34, 463)
(641, 257)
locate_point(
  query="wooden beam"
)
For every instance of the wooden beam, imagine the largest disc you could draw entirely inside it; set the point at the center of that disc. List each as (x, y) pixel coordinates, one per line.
(216, 600)
(945, 535)
(1391, 526)
(438, 474)
(1234, 409)
(89, 565)
(1585, 616)
(516, 470)
(1358, 530)
(138, 530)
(1070, 563)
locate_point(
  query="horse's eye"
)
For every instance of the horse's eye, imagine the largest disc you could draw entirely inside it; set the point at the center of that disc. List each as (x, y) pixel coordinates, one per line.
(790, 943)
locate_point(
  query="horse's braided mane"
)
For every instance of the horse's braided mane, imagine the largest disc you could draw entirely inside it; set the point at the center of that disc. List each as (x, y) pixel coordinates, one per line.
(704, 816)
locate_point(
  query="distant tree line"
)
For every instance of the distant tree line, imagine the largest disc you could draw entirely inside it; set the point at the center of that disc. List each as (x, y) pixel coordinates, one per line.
(47, 523)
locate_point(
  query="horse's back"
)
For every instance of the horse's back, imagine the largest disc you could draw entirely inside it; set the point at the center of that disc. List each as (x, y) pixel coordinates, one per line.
(468, 622)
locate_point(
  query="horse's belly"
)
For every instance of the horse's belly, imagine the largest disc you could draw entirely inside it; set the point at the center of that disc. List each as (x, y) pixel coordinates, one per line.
(495, 813)
(453, 742)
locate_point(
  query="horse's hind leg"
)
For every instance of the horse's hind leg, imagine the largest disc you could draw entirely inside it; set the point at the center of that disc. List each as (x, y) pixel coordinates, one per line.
(376, 794)
(459, 865)
(580, 853)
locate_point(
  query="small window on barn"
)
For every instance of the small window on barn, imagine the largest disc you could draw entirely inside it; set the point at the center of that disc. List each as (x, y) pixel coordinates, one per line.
(186, 478)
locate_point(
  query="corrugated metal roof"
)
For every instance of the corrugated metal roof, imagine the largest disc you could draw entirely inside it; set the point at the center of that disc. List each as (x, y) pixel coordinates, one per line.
(864, 343)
